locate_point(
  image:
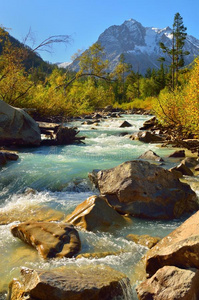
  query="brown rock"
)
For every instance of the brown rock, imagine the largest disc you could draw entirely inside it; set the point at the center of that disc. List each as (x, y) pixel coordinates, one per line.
(150, 155)
(190, 162)
(76, 283)
(3, 159)
(50, 239)
(179, 153)
(149, 124)
(17, 127)
(35, 213)
(145, 190)
(146, 137)
(144, 240)
(98, 254)
(170, 283)
(180, 248)
(125, 124)
(183, 169)
(95, 214)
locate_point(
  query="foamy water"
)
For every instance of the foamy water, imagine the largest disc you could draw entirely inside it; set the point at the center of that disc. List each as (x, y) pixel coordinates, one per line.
(59, 176)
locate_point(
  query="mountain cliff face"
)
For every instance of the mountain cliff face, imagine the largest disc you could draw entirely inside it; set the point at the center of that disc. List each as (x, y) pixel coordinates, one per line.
(140, 45)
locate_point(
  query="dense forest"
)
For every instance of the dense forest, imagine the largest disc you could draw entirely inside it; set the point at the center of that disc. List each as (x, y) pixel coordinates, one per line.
(171, 92)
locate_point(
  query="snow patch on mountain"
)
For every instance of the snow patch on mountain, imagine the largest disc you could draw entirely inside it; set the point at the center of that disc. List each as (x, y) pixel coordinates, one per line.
(140, 45)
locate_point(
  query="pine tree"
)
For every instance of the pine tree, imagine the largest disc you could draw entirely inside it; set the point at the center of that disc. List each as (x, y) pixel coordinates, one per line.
(176, 52)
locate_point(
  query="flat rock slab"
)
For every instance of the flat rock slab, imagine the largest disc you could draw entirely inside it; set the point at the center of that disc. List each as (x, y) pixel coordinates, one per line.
(180, 248)
(36, 213)
(50, 239)
(170, 283)
(75, 283)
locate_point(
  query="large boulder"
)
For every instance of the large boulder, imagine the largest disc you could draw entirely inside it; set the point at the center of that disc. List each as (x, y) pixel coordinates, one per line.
(50, 239)
(145, 190)
(180, 248)
(170, 283)
(17, 127)
(95, 214)
(75, 283)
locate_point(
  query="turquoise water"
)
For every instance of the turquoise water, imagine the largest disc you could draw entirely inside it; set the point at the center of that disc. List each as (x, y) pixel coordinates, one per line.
(59, 175)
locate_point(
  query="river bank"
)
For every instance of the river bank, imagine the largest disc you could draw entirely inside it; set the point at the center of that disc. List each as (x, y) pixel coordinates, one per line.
(56, 178)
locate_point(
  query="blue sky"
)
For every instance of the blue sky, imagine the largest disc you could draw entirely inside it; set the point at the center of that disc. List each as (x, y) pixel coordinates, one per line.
(85, 20)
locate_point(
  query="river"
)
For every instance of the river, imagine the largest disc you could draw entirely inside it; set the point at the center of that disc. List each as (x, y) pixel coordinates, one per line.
(59, 176)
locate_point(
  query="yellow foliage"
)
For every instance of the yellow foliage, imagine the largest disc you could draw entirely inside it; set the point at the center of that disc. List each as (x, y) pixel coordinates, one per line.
(181, 107)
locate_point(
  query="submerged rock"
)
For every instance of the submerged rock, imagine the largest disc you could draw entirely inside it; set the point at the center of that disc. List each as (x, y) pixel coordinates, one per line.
(36, 213)
(50, 239)
(17, 127)
(170, 283)
(180, 248)
(144, 240)
(145, 190)
(75, 283)
(96, 214)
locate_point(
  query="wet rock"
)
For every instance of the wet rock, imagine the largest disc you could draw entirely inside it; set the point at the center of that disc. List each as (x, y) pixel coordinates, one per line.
(180, 248)
(98, 254)
(89, 122)
(183, 169)
(146, 137)
(6, 156)
(125, 124)
(93, 177)
(108, 108)
(31, 212)
(17, 127)
(170, 283)
(149, 124)
(65, 135)
(75, 283)
(50, 239)
(146, 190)
(3, 159)
(144, 240)
(179, 153)
(95, 214)
(190, 162)
(150, 155)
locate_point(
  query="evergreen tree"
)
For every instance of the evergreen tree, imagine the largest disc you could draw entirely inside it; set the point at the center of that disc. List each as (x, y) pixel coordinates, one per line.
(176, 52)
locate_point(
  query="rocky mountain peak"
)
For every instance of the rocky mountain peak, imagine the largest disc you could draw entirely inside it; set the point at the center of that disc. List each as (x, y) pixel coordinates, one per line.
(140, 45)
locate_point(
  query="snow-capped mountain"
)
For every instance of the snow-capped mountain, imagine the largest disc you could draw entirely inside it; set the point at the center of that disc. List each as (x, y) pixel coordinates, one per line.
(140, 45)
